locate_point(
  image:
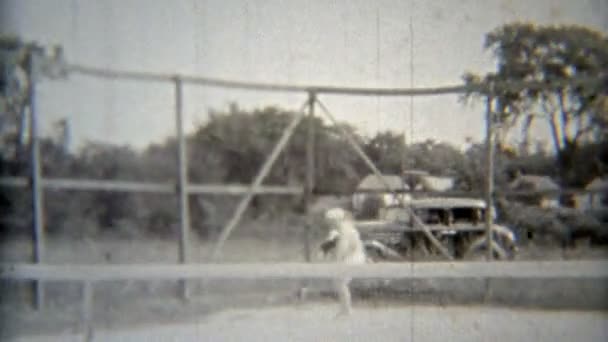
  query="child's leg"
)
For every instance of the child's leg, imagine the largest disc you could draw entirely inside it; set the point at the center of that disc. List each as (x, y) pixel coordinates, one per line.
(344, 296)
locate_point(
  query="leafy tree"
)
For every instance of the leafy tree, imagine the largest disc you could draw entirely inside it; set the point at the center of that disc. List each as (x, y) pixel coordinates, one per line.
(14, 68)
(15, 72)
(338, 167)
(100, 161)
(574, 114)
(387, 150)
(239, 141)
(437, 158)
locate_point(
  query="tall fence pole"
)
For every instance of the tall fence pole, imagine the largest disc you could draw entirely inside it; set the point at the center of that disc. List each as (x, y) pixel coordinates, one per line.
(182, 184)
(310, 173)
(36, 180)
(489, 176)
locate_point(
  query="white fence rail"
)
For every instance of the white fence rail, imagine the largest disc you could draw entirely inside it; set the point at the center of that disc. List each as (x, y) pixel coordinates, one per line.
(590, 269)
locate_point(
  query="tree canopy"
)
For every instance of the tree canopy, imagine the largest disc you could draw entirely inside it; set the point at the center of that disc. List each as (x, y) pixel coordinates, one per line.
(575, 115)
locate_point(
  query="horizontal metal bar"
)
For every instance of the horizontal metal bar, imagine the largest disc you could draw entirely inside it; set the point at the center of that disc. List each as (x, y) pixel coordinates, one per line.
(91, 184)
(419, 270)
(430, 91)
(492, 88)
(129, 186)
(120, 74)
(17, 182)
(238, 189)
(255, 86)
(107, 185)
(163, 77)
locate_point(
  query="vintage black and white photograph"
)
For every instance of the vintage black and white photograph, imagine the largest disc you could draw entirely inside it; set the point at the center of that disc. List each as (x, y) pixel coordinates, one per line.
(303, 170)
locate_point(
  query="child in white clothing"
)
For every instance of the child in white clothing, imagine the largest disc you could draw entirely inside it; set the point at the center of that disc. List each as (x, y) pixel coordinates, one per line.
(345, 245)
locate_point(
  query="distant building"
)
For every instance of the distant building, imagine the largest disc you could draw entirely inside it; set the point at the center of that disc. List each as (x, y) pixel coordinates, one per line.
(413, 178)
(419, 180)
(437, 184)
(599, 198)
(537, 183)
(375, 187)
(580, 201)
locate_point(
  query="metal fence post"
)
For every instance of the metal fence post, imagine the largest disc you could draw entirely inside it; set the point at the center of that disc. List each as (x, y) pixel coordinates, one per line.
(36, 180)
(182, 185)
(489, 176)
(310, 173)
(87, 310)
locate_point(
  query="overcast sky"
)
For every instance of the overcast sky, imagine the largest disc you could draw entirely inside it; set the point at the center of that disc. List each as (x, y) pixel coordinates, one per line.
(345, 43)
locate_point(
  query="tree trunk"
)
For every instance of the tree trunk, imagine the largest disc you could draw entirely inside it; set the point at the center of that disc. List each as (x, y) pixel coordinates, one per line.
(557, 146)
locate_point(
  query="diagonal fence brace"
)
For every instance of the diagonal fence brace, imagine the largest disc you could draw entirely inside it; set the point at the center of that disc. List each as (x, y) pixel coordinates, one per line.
(244, 203)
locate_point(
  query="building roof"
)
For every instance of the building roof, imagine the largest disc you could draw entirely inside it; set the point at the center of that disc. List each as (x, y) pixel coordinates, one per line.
(434, 183)
(598, 184)
(534, 182)
(372, 182)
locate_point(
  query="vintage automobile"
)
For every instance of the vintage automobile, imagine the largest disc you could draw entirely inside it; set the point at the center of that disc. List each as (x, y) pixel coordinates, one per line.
(456, 224)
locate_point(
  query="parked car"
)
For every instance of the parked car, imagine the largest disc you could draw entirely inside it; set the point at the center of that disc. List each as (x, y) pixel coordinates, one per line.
(458, 224)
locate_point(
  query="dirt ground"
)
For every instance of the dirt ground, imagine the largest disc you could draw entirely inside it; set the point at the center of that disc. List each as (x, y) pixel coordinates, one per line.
(130, 309)
(316, 322)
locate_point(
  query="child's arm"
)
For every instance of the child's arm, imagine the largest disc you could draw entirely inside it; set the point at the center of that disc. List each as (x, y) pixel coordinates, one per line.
(330, 242)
